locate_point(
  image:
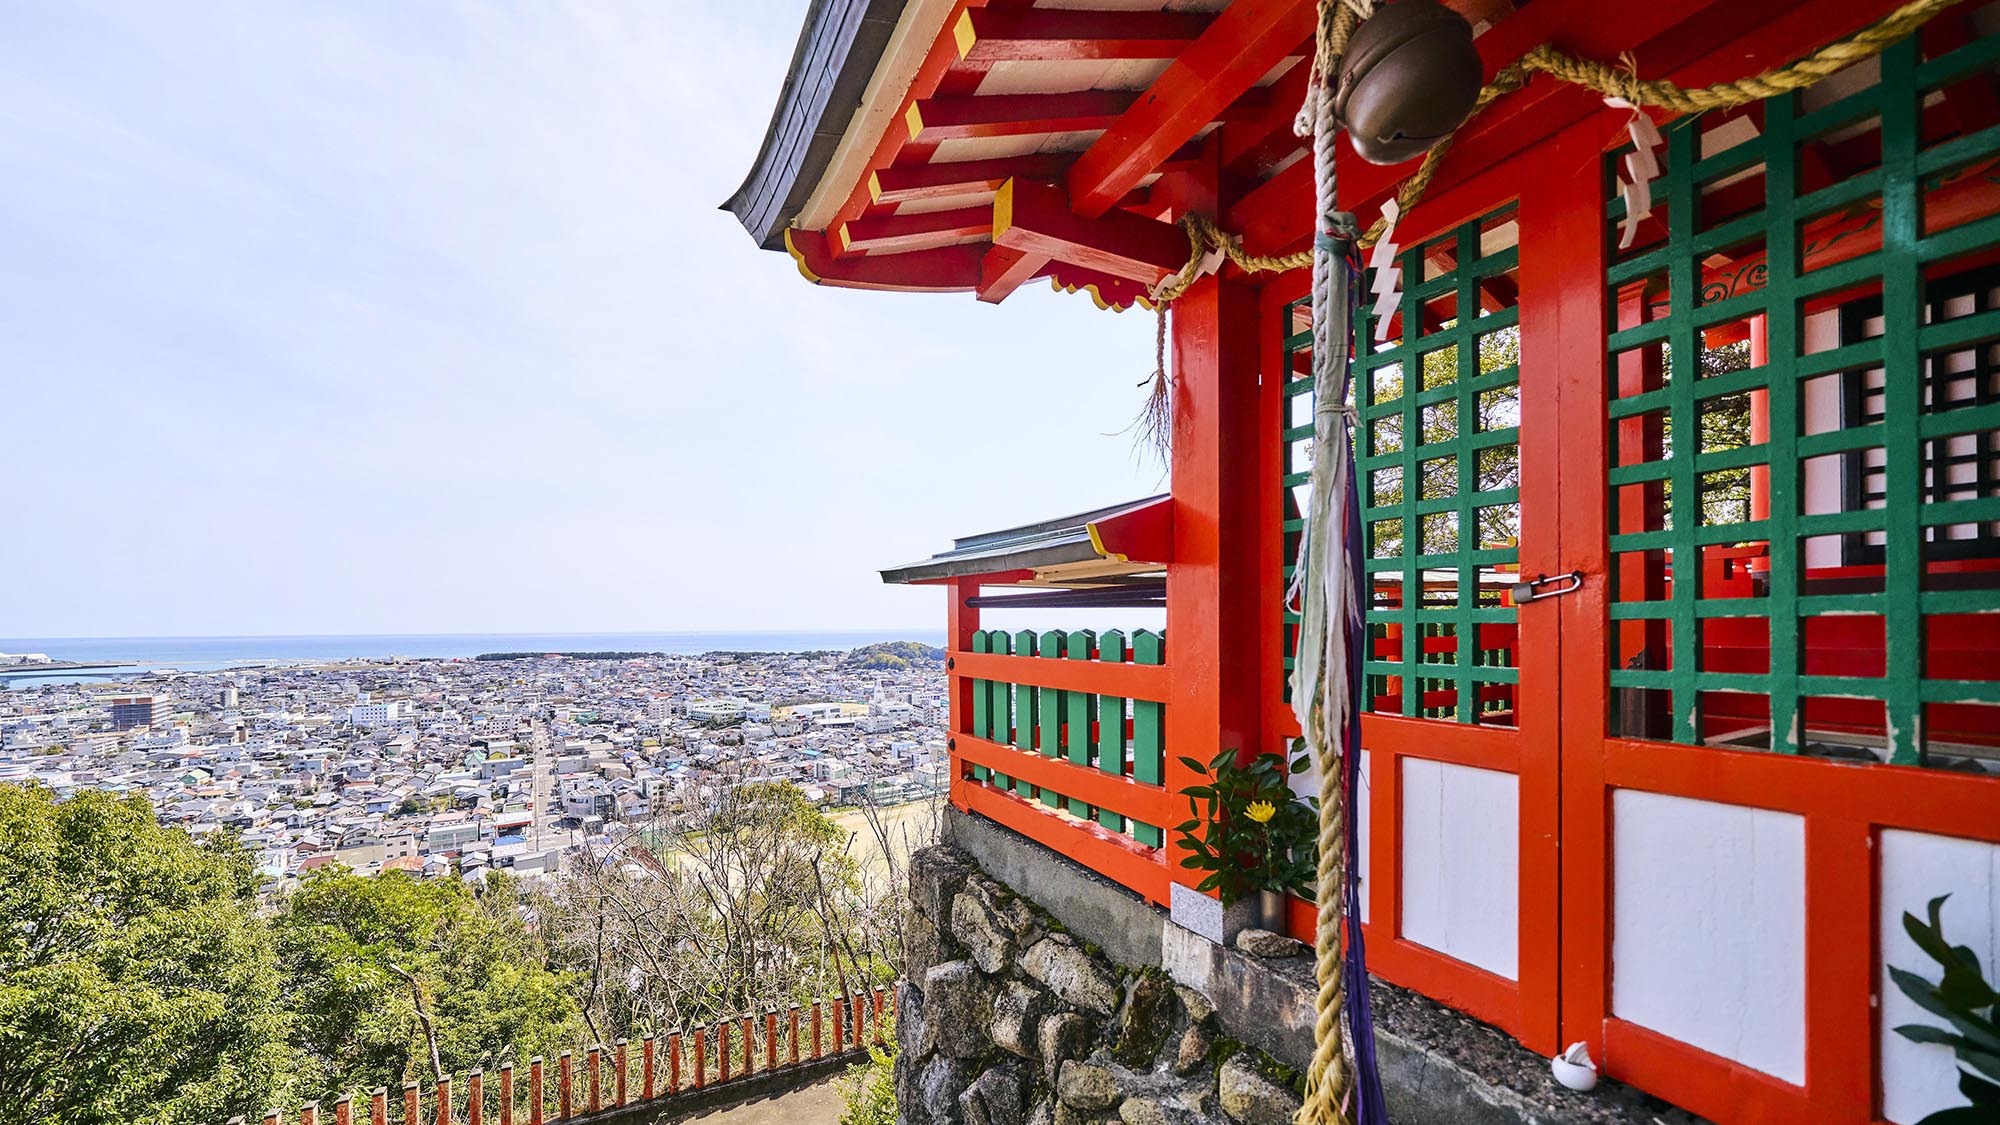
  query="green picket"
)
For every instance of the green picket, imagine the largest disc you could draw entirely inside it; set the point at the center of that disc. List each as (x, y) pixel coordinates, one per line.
(1003, 707)
(1049, 712)
(1111, 725)
(1149, 738)
(1080, 707)
(982, 712)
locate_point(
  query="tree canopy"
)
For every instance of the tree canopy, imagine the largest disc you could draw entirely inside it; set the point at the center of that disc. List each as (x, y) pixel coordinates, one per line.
(137, 983)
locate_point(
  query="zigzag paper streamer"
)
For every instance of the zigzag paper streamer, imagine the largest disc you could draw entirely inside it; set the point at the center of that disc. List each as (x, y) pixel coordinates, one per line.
(1641, 169)
(1387, 274)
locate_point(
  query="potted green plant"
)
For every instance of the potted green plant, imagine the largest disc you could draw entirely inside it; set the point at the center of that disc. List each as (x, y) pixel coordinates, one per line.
(1259, 839)
(1970, 1008)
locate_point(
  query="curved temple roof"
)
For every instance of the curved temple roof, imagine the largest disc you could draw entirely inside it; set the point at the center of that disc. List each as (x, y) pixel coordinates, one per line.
(838, 50)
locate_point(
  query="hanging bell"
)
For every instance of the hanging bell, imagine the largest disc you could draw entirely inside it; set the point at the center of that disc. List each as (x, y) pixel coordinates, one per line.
(1410, 76)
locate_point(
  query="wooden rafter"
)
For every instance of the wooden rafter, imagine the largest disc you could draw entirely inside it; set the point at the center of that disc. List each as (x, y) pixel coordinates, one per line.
(1058, 35)
(1014, 115)
(1246, 40)
(1004, 269)
(941, 270)
(1036, 219)
(899, 233)
(963, 177)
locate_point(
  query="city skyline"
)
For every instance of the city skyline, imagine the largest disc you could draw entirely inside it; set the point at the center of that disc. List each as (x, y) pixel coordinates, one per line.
(369, 321)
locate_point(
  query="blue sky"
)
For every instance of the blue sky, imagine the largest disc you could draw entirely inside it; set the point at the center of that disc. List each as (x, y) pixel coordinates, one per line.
(421, 317)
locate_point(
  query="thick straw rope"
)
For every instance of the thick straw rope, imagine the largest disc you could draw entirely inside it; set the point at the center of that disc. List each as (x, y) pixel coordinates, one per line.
(1321, 674)
(1325, 594)
(1609, 80)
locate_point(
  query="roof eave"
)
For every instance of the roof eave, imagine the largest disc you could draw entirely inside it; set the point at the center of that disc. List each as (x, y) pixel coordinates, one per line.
(838, 51)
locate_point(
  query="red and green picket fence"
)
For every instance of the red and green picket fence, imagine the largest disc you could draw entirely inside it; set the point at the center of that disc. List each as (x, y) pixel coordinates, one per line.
(658, 1069)
(1065, 742)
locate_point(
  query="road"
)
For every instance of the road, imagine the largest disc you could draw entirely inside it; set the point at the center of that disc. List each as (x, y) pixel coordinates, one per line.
(544, 781)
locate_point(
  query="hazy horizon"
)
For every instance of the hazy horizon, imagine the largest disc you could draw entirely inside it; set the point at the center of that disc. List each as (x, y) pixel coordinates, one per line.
(350, 320)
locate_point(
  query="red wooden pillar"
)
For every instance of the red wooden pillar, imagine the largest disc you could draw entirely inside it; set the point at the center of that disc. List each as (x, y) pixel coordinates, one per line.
(1214, 614)
(506, 1094)
(535, 1090)
(1567, 213)
(1760, 419)
(961, 621)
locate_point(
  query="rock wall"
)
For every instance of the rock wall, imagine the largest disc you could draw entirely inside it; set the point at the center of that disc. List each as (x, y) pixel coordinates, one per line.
(1006, 1019)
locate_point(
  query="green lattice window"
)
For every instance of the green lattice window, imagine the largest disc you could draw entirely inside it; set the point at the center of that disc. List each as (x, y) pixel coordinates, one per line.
(1438, 414)
(1803, 413)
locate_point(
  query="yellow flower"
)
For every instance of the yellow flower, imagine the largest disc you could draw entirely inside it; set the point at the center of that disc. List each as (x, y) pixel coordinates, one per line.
(1260, 811)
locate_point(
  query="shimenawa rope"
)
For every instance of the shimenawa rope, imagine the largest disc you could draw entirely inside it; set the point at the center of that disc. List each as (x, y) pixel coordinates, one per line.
(1607, 79)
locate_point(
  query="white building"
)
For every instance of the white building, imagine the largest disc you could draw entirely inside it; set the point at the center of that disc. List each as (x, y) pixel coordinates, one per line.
(724, 709)
(375, 714)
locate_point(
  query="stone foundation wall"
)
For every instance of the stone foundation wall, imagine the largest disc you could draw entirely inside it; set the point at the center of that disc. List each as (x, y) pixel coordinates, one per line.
(1005, 1018)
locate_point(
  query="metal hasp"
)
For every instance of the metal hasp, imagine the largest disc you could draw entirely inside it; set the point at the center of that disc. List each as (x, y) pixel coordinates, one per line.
(1524, 592)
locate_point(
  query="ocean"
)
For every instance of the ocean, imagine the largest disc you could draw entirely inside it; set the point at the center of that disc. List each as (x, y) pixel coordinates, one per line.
(196, 654)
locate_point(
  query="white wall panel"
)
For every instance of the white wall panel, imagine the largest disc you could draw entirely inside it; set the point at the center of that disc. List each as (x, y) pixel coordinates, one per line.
(1916, 867)
(1461, 863)
(1708, 927)
(1361, 822)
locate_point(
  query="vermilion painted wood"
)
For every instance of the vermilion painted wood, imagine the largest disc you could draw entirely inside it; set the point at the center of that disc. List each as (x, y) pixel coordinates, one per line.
(1841, 893)
(939, 60)
(1061, 35)
(1035, 219)
(944, 269)
(1711, 1086)
(1139, 868)
(1117, 792)
(1573, 205)
(1481, 747)
(1246, 40)
(1692, 43)
(1549, 226)
(1133, 681)
(1014, 115)
(1451, 982)
(1108, 291)
(894, 234)
(1213, 588)
(962, 177)
(1003, 269)
(961, 621)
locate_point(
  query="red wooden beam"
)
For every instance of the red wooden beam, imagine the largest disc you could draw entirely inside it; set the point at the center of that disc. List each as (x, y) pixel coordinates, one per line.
(1035, 219)
(1005, 269)
(1055, 35)
(962, 177)
(1150, 804)
(1116, 857)
(1695, 43)
(1110, 293)
(947, 269)
(1131, 681)
(1014, 115)
(938, 62)
(895, 233)
(1246, 40)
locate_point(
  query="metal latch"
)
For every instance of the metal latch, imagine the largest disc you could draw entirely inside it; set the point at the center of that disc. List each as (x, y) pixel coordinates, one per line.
(1525, 592)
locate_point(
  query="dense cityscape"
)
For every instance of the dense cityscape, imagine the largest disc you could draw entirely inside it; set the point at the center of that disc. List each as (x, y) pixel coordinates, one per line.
(453, 768)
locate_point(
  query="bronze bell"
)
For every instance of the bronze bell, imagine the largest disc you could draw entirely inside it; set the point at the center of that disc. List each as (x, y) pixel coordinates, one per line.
(1409, 77)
